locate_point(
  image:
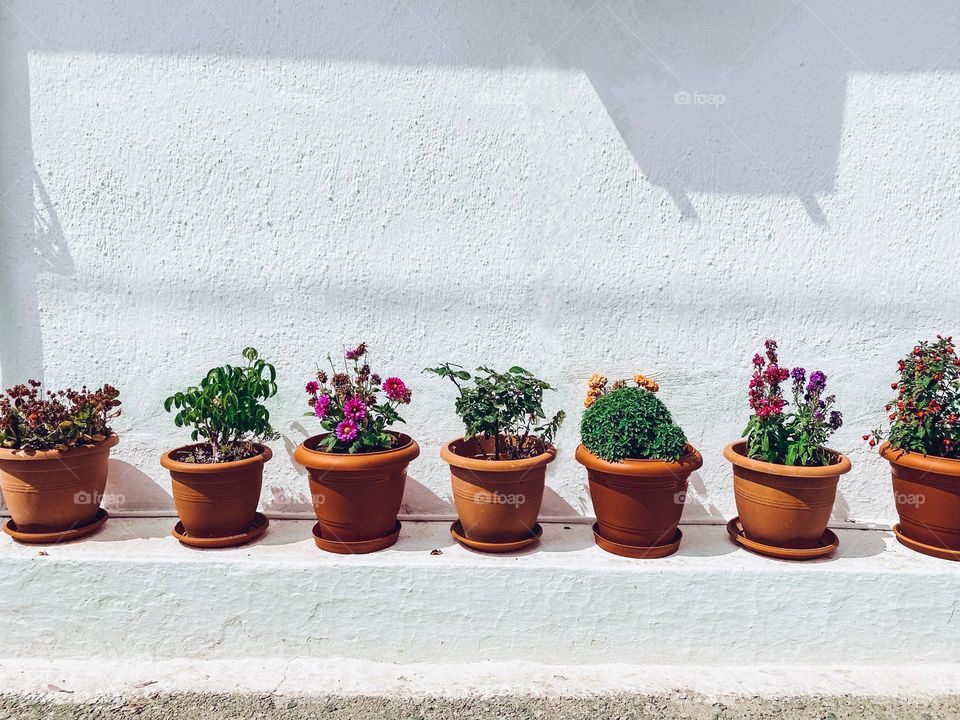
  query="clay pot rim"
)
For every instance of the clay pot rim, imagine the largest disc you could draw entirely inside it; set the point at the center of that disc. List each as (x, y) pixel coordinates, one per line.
(71, 453)
(919, 461)
(640, 467)
(736, 452)
(167, 461)
(469, 463)
(307, 455)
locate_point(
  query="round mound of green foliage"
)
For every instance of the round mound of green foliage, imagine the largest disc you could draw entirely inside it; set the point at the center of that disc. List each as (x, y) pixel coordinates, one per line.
(631, 423)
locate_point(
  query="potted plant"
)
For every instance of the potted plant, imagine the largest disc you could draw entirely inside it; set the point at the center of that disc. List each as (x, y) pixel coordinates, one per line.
(638, 462)
(499, 466)
(923, 449)
(784, 477)
(217, 480)
(358, 466)
(54, 448)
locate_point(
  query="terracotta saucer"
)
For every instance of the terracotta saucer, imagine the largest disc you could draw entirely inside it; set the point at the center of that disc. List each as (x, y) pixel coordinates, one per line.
(828, 543)
(632, 551)
(456, 529)
(933, 550)
(50, 538)
(258, 528)
(358, 547)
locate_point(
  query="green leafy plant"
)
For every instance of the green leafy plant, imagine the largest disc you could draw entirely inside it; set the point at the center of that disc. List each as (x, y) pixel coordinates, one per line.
(507, 407)
(31, 420)
(629, 422)
(925, 415)
(226, 410)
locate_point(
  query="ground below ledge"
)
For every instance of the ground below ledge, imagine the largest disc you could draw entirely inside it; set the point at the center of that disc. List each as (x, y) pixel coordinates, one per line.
(210, 706)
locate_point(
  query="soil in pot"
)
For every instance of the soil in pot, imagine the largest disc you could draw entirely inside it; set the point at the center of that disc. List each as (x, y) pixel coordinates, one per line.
(498, 501)
(785, 506)
(51, 491)
(356, 497)
(216, 500)
(926, 490)
(638, 503)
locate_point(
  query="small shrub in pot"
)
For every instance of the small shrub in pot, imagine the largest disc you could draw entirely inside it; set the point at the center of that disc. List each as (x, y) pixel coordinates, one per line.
(498, 468)
(638, 463)
(217, 479)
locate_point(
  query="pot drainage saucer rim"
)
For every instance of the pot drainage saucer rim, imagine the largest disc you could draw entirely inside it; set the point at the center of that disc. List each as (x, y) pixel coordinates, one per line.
(255, 530)
(50, 538)
(634, 551)
(456, 530)
(924, 548)
(828, 543)
(355, 547)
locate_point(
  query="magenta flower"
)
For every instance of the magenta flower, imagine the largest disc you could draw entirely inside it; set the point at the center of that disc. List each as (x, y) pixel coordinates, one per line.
(321, 408)
(355, 409)
(396, 390)
(346, 431)
(312, 387)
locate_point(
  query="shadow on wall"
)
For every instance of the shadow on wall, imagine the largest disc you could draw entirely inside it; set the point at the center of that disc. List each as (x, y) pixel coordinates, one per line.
(31, 239)
(709, 98)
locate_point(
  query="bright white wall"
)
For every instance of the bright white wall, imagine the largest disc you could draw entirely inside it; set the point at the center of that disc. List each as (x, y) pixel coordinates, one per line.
(485, 183)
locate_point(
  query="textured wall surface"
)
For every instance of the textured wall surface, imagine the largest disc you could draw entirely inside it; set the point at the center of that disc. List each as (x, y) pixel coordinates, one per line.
(613, 186)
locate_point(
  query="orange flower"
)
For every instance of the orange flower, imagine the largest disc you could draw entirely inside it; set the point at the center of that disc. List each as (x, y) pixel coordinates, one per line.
(646, 383)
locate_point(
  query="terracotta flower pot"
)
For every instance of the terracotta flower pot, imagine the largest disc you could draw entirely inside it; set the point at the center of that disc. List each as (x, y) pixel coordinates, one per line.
(215, 500)
(498, 501)
(638, 502)
(55, 490)
(927, 493)
(357, 497)
(785, 506)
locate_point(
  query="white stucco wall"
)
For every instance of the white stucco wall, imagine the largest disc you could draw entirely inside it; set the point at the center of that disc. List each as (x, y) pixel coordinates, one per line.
(483, 183)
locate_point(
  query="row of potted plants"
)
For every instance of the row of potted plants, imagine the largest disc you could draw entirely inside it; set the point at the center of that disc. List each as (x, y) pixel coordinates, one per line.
(55, 446)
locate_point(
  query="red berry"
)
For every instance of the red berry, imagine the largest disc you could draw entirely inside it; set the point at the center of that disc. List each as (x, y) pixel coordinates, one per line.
(873, 443)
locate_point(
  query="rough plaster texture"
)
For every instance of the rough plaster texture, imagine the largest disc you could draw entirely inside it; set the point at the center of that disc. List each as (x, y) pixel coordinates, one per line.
(133, 591)
(482, 182)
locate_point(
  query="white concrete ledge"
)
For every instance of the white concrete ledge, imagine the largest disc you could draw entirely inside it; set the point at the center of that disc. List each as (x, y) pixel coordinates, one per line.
(132, 591)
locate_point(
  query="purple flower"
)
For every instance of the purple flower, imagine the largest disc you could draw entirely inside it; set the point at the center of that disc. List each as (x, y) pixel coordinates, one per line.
(322, 406)
(818, 381)
(836, 420)
(346, 430)
(355, 408)
(799, 375)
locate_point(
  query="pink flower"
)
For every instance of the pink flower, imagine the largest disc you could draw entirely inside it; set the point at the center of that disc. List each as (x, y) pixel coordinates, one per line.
(346, 430)
(312, 387)
(321, 407)
(355, 408)
(396, 390)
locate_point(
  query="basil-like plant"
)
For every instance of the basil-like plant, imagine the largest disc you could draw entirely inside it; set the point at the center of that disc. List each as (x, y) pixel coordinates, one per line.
(629, 422)
(226, 410)
(507, 407)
